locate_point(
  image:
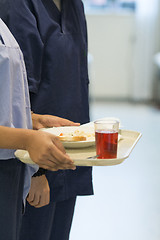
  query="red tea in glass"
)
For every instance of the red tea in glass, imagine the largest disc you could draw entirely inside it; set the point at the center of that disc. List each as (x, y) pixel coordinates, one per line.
(106, 143)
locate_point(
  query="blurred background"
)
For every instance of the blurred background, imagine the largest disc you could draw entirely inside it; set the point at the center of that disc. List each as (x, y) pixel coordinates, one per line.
(124, 69)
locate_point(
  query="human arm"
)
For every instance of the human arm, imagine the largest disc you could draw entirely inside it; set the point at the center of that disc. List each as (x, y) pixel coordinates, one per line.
(44, 149)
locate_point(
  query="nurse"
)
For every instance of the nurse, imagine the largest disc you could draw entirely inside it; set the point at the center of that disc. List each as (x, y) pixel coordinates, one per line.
(53, 38)
(15, 132)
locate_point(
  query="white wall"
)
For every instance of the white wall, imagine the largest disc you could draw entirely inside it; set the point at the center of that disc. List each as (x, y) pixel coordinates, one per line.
(147, 42)
(111, 39)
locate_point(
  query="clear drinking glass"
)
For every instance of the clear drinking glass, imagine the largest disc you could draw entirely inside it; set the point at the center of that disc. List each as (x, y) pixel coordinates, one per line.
(106, 135)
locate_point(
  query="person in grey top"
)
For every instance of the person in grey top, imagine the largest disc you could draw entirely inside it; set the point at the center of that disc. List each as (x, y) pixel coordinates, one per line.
(16, 133)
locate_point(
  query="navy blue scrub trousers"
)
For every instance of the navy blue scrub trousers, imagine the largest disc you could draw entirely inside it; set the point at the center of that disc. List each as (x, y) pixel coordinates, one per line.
(54, 220)
(11, 193)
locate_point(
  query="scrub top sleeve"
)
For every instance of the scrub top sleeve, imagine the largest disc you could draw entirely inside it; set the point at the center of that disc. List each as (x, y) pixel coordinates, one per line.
(22, 22)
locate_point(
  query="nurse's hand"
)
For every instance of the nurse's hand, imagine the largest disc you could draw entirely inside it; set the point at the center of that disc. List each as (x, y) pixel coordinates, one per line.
(39, 193)
(44, 121)
(47, 151)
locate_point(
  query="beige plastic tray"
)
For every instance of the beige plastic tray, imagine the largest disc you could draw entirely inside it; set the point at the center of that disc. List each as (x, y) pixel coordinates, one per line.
(85, 156)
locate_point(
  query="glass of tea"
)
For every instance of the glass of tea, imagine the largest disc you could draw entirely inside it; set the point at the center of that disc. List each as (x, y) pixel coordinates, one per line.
(106, 135)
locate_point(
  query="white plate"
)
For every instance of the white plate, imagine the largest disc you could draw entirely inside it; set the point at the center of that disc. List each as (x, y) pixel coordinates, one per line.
(79, 144)
(90, 141)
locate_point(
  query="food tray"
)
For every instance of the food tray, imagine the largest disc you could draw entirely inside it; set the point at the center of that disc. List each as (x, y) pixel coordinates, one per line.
(86, 156)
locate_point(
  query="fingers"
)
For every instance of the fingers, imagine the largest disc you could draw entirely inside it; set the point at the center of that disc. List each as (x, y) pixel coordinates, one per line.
(48, 164)
(69, 123)
(50, 121)
(61, 158)
(38, 201)
(51, 155)
(30, 197)
(35, 200)
(55, 166)
(44, 200)
(58, 144)
(64, 122)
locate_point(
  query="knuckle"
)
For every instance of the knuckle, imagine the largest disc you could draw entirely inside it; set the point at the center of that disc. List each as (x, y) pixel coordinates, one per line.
(46, 191)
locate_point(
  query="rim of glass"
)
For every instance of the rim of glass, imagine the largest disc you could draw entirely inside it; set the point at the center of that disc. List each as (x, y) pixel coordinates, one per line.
(108, 121)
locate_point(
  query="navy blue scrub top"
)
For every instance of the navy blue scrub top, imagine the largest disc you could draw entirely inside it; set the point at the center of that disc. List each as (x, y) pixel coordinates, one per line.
(54, 45)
